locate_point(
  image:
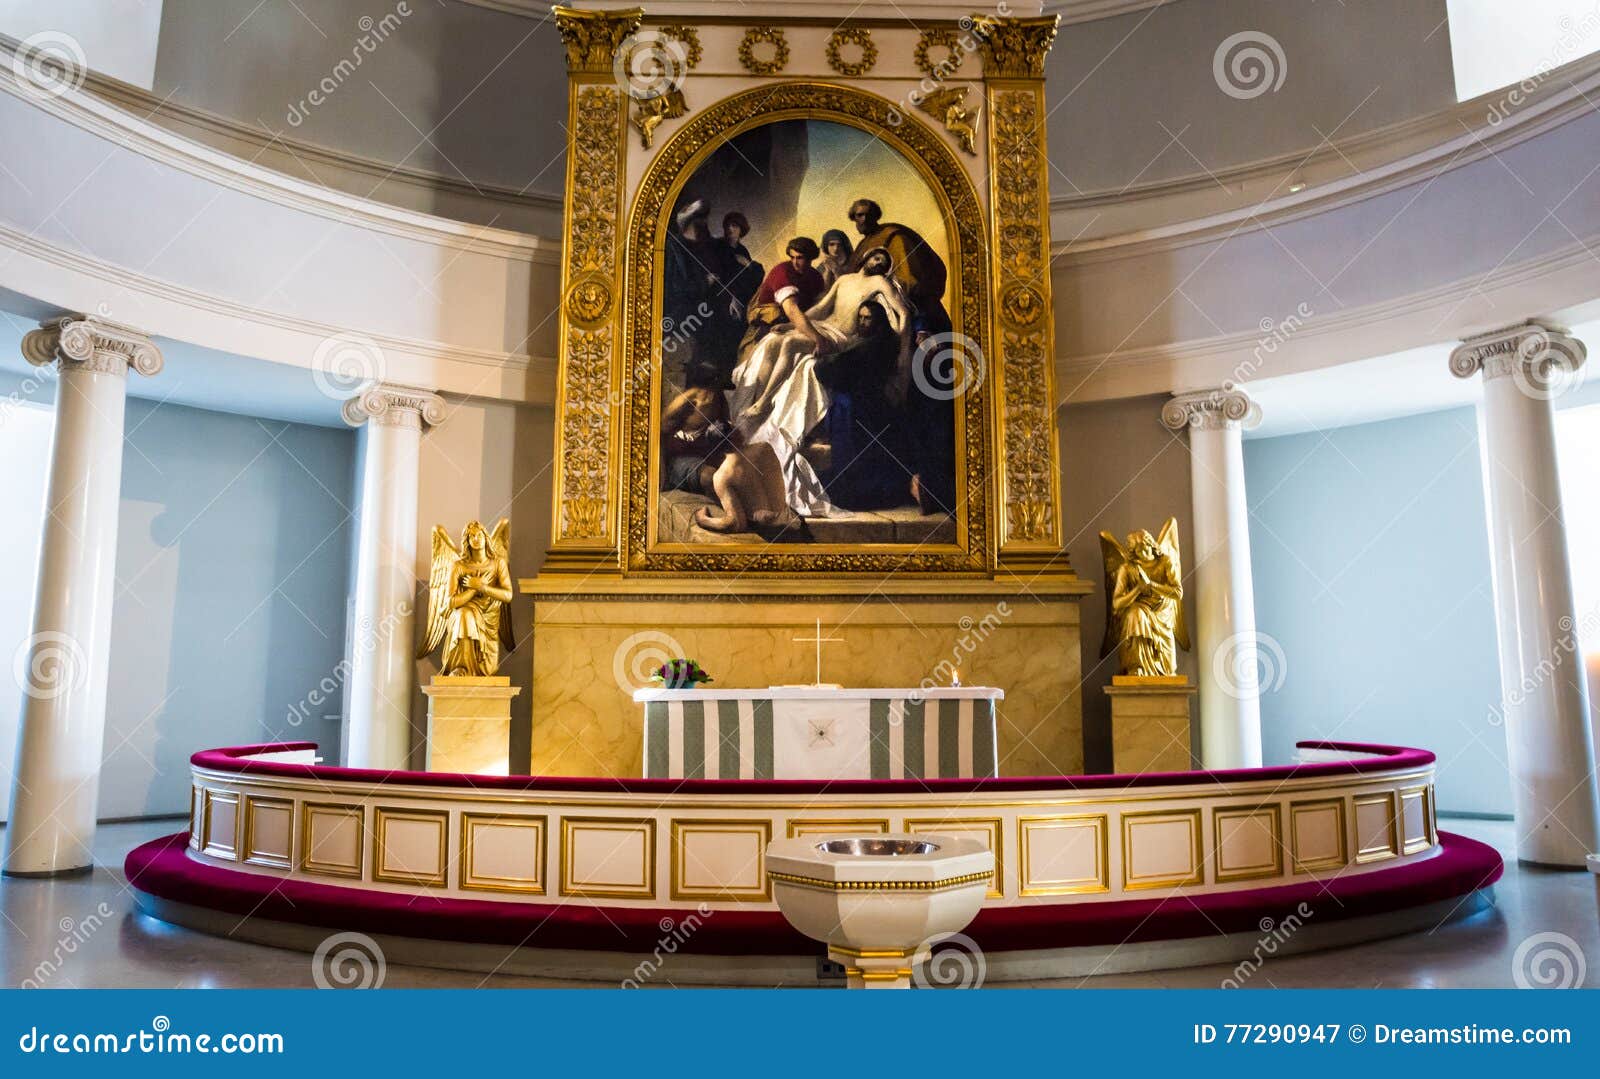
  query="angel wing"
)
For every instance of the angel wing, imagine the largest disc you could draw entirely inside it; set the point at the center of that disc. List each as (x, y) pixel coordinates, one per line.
(1115, 556)
(1167, 541)
(500, 549)
(937, 102)
(445, 554)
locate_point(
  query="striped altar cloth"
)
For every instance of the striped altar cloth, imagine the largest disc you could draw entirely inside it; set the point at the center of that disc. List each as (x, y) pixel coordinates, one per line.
(820, 733)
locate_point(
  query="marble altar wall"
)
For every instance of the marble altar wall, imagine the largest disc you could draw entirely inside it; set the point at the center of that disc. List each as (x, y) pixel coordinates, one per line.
(1120, 468)
(592, 653)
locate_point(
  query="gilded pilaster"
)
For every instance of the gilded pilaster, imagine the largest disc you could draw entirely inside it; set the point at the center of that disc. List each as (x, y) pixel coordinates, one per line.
(1023, 344)
(589, 396)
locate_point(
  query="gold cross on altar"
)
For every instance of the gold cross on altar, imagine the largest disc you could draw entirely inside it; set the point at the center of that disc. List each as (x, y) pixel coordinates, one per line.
(819, 640)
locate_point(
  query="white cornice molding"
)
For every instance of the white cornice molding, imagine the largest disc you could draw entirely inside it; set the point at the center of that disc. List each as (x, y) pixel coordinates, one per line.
(1384, 328)
(89, 113)
(540, 371)
(171, 114)
(1465, 136)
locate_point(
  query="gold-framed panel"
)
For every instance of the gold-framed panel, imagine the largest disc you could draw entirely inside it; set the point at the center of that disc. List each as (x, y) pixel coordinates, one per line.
(309, 863)
(209, 845)
(799, 826)
(381, 816)
(646, 826)
(194, 823)
(1315, 805)
(1221, 815)
(1424, 795)
(996, 828)
(643, 270)
(1197, 875)
(682, 828)
(1391, 849)
(248, 852)
(1100, 882)
(468, 879)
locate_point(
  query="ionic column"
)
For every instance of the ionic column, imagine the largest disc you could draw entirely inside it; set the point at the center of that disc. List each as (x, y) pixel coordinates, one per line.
(1543, 684)
(56, 781)
(1225, 613)
(381, 646)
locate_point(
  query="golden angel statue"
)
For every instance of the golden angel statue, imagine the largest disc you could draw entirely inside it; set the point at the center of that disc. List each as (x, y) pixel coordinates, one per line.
(469, 599)
(1144, 601)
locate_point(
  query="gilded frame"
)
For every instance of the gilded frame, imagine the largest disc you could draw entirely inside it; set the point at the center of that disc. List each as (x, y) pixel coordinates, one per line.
(972, 554)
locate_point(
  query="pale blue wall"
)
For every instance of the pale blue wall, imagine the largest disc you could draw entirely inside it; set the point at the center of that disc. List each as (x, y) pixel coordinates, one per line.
(232, 570)
(1371, 560)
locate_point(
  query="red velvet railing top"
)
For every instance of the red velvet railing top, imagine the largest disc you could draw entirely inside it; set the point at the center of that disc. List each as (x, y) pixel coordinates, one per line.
(1378, 759)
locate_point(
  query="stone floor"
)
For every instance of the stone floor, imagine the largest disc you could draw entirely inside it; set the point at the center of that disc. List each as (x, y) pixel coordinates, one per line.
(85, 931)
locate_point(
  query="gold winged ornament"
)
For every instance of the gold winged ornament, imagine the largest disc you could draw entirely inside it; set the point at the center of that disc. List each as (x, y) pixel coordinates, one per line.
(469, 600)
(1144, 602)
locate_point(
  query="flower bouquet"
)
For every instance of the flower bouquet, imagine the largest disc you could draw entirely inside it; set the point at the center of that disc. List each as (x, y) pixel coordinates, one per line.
(679, 674)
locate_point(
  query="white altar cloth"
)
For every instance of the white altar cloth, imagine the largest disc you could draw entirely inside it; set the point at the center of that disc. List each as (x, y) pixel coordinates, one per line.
(812, 732)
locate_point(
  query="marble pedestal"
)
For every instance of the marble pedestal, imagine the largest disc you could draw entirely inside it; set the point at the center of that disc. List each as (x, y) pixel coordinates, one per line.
(469, 724)
(1150, 723)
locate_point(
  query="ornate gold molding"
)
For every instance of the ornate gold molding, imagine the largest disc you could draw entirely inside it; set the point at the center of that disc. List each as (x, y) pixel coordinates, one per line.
(586, 406)
(1020, 211)
(949, 106)
(861, 38)
(927, 152)
(944, 37)
(771, 35)
(592, 37)
(1015, 48)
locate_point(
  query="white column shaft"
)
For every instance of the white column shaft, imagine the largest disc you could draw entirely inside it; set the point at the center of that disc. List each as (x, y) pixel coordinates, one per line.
(64, 671)
(1543, 683)
(1225, 617)
(383, 668)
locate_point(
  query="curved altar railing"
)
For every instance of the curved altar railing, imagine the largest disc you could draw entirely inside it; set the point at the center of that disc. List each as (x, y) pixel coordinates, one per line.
(271, 810)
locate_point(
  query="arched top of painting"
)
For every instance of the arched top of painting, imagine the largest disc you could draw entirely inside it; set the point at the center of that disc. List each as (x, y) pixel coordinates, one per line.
(864, 142)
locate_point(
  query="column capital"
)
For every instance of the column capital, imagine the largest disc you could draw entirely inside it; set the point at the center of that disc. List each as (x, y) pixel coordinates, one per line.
(1531, 349)
(92, 344)
(394, 406)
(1210, 410)
(1015, 48)
(593, 37)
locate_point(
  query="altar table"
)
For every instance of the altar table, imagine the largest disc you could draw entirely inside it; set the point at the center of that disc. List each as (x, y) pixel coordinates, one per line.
(811, 732)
